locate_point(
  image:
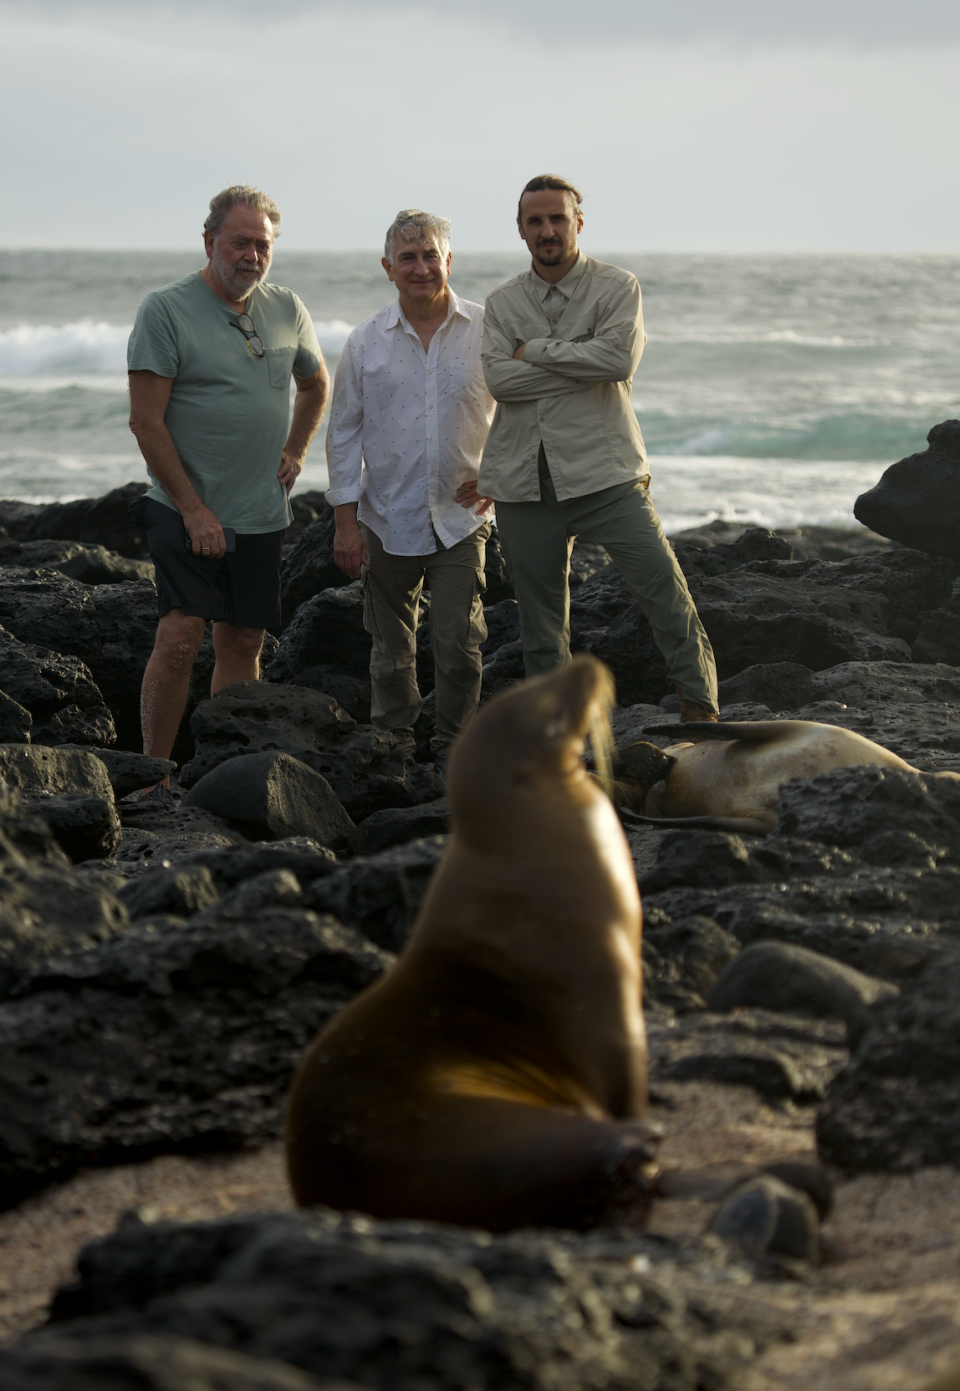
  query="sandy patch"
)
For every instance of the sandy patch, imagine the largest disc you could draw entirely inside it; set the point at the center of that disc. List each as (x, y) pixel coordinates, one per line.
(890, 1322)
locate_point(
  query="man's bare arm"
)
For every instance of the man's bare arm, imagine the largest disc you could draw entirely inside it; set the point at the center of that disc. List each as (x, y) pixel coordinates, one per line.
(309, 405)
(149, 398)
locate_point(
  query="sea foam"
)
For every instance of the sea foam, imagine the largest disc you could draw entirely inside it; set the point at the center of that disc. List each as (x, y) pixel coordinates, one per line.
(89, 348)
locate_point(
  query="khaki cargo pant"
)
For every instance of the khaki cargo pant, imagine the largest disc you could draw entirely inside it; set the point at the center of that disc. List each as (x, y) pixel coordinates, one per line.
(537, 538)
(392, 585)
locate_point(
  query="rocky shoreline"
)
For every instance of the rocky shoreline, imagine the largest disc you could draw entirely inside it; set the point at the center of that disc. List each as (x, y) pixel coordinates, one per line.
(162, 969)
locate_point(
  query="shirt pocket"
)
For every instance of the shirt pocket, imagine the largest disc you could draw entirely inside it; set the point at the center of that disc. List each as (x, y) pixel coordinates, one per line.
(465, 380)
(581, 330)
(279, 366)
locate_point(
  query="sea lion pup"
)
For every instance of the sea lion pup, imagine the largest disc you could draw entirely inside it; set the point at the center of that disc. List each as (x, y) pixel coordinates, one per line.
(727, 776)
(497, 1075)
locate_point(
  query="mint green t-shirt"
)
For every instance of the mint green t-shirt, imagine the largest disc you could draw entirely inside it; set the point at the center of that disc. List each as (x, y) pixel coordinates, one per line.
(229, 411)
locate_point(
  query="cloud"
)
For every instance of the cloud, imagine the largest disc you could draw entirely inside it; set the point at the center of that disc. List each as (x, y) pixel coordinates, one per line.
(857, 24)
(131, 118)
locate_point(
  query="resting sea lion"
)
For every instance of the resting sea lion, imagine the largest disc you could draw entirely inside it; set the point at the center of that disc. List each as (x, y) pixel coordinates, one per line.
(497, 1075)
(727, 776)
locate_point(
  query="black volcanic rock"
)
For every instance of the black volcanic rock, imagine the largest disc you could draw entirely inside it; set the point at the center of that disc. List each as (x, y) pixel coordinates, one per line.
(772, 975)
(166, 1038)
(90, 564)
(59, 693)
(407, 1306)
(271, 796)
(360, 763)
(149, 1364)
(308, 565)
(917, 500)
(896, 1106)
(100, 521)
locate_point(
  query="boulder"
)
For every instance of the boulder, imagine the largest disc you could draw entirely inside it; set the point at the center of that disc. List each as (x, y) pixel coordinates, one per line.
(271, 796)
(128, 772)
(86, 827)
(775, 976)
(59, 693)
(361, 764)
(398, 826)
(917, 500)
(15, 721)
(896, 1106)
(46, 608)
(380, 896)
(99, 521)
(54, 770)
(406, 1306)
(783, 1057)
(327, 632)
(166, 1038)
(308, 565)
(90, 564)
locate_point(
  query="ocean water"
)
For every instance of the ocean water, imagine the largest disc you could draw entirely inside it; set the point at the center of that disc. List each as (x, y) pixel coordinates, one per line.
(773, 389)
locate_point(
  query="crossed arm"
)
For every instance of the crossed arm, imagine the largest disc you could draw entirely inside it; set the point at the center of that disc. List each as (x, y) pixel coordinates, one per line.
(554, 366)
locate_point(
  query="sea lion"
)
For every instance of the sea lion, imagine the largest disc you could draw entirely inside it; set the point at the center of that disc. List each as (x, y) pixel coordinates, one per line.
(496, 1076)
(727, 776)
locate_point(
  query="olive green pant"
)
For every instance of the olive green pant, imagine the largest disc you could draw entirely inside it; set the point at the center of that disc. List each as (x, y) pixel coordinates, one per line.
(537, 538)
(392, 585)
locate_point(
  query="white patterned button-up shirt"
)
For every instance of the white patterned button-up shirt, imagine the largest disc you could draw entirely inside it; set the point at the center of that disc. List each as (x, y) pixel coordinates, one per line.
(407, 427)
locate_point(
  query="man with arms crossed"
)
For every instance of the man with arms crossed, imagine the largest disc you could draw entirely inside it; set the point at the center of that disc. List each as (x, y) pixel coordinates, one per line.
(408, 419)
(210, 360)
(565, 456)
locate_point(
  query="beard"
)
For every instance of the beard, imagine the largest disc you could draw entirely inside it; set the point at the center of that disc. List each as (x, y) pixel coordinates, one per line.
(549, 253)
(238, 280)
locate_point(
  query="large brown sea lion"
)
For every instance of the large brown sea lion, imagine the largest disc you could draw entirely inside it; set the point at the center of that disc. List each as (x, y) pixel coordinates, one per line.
(497, 1075)
(728, 775)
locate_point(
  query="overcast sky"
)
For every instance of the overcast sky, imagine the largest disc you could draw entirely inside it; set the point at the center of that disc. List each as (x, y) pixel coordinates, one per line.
(689, 124)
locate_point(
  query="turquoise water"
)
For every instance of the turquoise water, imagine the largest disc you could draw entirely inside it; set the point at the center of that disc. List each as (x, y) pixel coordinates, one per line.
(773, 389)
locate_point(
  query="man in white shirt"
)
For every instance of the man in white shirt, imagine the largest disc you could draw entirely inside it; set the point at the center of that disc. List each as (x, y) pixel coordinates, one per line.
(408, 420)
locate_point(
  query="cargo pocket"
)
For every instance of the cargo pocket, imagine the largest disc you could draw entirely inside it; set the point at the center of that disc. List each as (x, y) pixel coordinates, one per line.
(478, 619)
(369, 617)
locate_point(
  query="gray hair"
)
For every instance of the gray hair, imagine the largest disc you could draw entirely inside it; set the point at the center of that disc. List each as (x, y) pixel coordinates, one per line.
(412, 224)
(241, 193)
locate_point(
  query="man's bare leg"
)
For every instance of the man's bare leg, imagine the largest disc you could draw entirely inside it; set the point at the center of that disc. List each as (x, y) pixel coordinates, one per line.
(238, 655)
(166, 681)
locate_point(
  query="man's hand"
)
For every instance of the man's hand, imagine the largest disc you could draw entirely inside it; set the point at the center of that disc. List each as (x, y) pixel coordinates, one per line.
(205, 532)
(289, 470)
(467, 496)
(518, 352)
(349, 548)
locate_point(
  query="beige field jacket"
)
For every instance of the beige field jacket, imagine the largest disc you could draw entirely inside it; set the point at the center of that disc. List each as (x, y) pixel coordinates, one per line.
(573, 390)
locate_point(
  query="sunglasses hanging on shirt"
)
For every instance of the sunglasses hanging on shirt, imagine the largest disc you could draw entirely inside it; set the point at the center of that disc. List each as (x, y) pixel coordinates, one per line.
(249, 330)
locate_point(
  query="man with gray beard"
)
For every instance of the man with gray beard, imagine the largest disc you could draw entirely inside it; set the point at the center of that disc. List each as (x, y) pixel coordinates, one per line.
(210, 361)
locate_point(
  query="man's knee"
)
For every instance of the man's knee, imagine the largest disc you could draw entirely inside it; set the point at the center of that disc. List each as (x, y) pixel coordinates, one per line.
(245, 643)
(179, 637)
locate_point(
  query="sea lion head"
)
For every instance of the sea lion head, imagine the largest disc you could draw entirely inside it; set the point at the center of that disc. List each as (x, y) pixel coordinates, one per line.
(533, 736)
(640, 767)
